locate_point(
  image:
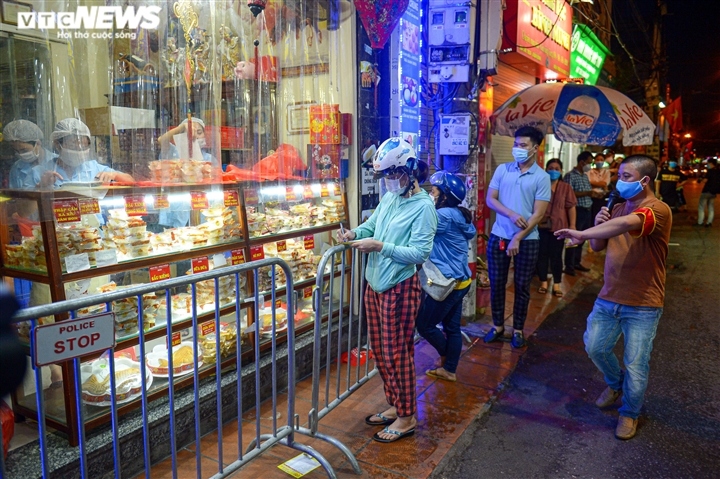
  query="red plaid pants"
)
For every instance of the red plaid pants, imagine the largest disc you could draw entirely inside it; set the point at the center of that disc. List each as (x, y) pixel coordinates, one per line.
(391, 325)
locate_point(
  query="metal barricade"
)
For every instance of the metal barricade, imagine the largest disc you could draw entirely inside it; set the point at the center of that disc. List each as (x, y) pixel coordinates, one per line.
(343, 330)
(280, 433)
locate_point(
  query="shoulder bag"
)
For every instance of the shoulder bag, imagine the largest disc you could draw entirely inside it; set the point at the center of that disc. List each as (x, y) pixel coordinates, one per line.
(434, 283)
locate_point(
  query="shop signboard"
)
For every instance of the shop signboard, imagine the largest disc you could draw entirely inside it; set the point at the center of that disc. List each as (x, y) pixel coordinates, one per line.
(587, 55)
(405, 75)
(540, 31)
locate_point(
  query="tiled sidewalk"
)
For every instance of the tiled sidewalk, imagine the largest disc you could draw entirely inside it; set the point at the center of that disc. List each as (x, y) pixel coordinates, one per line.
(445, 409)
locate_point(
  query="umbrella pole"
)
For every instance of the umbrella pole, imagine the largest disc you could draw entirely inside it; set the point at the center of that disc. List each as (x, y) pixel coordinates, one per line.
(560, 152)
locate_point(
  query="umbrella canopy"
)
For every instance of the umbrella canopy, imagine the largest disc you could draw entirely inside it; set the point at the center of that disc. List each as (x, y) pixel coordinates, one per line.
(576, 113)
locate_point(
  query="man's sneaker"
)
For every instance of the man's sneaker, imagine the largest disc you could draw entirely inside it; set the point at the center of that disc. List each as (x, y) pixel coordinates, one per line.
(607, 398)
(626, 428)
(518, 340)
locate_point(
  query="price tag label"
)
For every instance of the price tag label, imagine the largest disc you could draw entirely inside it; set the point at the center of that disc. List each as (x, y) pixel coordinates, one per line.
(162, 202)
(256, 253)
(307, 292)
(251, 197)
(219, 260)
(77, 289)
(308, 192)
(278, 304)
(309, 242)
(159, 272)
(237, 256)
(200, 265)
(198, 200)
(208, 327)
(231, 199)
(176, 339)
(290, 193)
(77, 262)
(105, 257)
(135, 205)
(281, 246)
(324, 191)
(89, 206)
(66, 211)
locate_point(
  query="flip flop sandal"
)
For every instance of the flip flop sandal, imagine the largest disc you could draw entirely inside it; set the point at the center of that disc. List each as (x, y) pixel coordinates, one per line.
(386, 421)
(433, 374)
(558, 294)
(542, 290)
(398, 435)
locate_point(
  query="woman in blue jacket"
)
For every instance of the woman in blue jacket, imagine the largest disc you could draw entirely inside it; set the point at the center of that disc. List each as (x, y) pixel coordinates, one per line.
(450, 255)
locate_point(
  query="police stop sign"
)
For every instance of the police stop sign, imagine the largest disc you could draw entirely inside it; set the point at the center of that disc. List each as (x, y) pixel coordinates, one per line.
(64, 340)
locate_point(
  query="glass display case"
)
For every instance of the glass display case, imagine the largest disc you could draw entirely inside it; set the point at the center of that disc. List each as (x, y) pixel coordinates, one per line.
(85, 241)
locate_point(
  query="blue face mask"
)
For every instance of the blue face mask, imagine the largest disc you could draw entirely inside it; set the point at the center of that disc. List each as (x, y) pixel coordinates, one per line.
(520, 154)
(554, 175)
(673, 164)
(629, 189)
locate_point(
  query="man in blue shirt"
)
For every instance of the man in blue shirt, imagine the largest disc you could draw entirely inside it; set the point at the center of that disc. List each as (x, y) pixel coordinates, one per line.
(519, 193)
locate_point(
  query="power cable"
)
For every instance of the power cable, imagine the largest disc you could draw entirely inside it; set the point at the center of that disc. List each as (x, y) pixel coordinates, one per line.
(547, 35)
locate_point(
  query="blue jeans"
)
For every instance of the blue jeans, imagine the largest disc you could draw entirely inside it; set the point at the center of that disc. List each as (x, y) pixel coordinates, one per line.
(447, 342)
(638, 326)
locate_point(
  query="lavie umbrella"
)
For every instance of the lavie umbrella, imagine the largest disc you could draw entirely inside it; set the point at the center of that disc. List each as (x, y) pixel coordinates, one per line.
(576, 113)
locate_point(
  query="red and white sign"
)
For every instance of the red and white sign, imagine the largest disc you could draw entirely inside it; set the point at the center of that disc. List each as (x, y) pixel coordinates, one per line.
(257, 252)
(251, 197)
(200, 265)
(159, 272)
(231, 199)
(66, 211)
(309, 242)
(162, 202)
(65, 340)
(135, 205)
(89, 206)
(198, 200)
(237, 256)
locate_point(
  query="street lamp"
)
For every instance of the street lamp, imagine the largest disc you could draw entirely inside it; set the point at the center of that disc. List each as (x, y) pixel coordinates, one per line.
(661, 105)
(688, 135)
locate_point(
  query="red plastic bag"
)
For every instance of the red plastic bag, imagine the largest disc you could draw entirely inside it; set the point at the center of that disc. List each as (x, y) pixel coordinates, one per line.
(356, 357)
(7, 419)
(281, 165)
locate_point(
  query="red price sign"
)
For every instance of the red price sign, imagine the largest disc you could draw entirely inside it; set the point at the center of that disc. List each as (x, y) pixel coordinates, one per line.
(278, 304)
(324, 191)
(237, 256)
(308, 192)
(175, 339)
(281, 246)
(66, 211)
(89, 206)
(200, 265)
(309, 242)
(257, 252)
(207, 327)
(251, 197)
(162, 202)
(159, 273)
(307, 292)
(232, 199)
(135, 205)
(198, 200)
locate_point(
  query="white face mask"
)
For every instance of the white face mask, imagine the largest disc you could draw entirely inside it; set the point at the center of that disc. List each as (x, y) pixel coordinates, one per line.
(587, 168)
(74, 158)
(27, 156)
(393, 186)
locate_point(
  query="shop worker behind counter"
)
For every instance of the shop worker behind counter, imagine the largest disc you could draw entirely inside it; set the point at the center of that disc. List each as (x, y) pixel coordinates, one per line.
(25, 138)
(636, 235)
(398, 236)
(519, 193)
(75, 161)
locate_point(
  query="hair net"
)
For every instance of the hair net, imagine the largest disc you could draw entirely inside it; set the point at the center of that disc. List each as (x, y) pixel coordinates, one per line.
(195, 120)
(22, 130)
(70, 127)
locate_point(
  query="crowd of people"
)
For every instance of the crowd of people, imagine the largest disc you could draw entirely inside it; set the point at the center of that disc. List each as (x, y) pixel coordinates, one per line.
(613, 203)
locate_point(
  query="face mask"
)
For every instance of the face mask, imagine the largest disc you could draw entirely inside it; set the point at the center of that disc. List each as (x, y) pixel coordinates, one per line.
(74, 158)
(554, 175)
(521, 155)
(393, 186)
(599, 166)
(201, 142)
(586, 168)
(673, 164)
(629, 189)
(27, 156)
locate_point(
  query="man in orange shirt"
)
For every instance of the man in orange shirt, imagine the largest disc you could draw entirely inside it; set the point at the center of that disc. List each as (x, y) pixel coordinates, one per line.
(636, 235)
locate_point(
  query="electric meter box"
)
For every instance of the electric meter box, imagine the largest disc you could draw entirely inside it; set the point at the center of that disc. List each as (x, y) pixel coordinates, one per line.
(449, 25)
(454, 134)
(449, 73)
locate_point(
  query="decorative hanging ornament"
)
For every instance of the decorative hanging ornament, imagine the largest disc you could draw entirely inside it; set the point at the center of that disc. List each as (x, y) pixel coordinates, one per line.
(380, 17)
(257, 6)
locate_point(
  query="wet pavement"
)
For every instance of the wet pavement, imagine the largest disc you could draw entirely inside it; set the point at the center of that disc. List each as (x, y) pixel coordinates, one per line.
(529, 413)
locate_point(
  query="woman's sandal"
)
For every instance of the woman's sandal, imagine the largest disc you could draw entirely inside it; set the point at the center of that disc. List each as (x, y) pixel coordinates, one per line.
(557, 293)
(384, 421)
(542, 290)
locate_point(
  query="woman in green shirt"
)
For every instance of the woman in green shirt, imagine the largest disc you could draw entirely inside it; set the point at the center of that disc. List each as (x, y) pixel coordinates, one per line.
(398, 236)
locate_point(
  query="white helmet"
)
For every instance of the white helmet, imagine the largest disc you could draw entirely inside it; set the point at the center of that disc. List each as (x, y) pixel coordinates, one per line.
(393, 154)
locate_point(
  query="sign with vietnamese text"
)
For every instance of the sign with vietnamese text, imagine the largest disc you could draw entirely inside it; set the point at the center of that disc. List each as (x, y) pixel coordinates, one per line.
(587, 55)
(257, 252)
(251, 197)
(89, 206)
(159, 273)
(198, 200)
(231, 199)
(200, 265)
(237, 256)
(162, 202)
(66, 211)
(135, 205)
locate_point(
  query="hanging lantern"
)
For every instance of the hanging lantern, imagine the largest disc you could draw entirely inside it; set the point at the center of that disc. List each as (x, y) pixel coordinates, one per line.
(256, 6)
